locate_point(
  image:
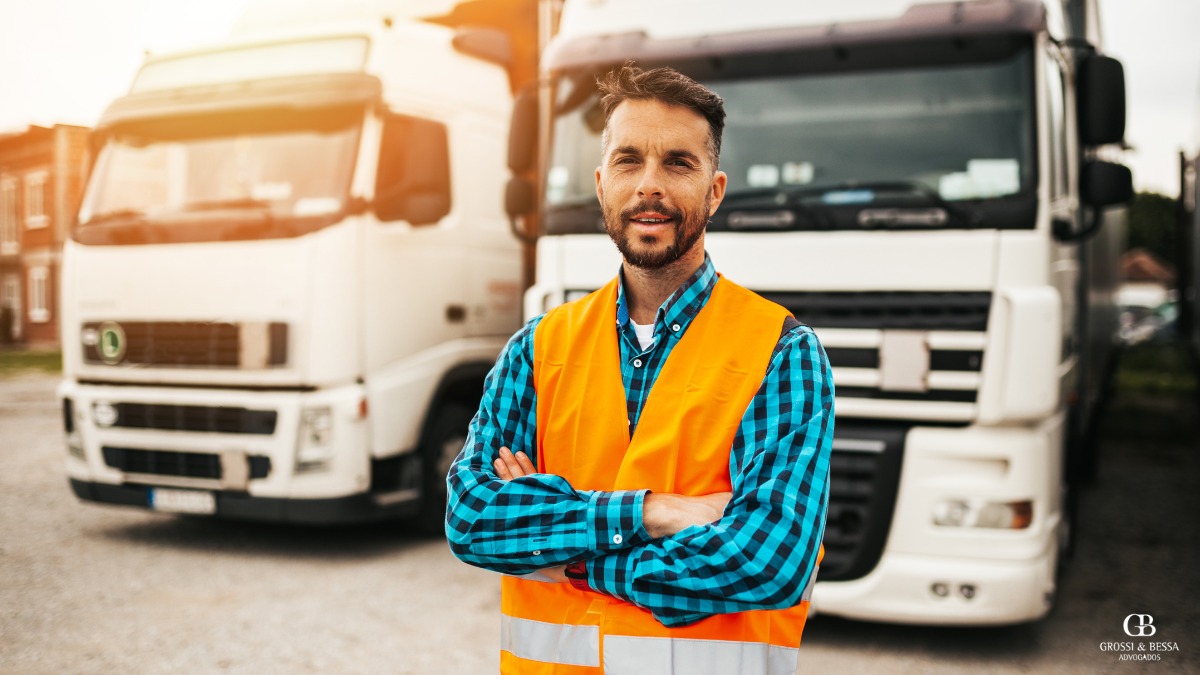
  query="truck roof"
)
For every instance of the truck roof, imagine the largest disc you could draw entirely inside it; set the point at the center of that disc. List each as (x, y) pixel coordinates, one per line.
(262, 16)
(605, 31)
(357, 60)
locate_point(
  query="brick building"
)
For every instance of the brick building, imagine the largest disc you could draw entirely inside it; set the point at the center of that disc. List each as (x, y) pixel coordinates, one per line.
(42, 172)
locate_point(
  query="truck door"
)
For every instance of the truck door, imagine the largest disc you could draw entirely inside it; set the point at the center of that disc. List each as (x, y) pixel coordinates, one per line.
(415, 278)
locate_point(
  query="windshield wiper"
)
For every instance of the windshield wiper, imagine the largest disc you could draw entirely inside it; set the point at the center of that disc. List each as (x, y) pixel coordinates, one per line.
(126, 215)
(942, 213)
(230, 204)
(771, 209)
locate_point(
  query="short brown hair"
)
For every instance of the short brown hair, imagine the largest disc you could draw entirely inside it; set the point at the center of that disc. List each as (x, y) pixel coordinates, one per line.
(665, 85)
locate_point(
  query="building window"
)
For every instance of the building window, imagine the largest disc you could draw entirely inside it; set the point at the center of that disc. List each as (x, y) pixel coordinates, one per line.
(39, 310)
(9, 217)
(35, 199)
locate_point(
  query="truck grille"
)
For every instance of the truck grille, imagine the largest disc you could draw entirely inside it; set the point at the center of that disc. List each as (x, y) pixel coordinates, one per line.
(219, 419)
(172, 463)
(864, 476)
(899, 310)
(187, 344)
(853, 328)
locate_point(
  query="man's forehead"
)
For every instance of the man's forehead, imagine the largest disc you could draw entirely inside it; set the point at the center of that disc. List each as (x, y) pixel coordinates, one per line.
(658, 122)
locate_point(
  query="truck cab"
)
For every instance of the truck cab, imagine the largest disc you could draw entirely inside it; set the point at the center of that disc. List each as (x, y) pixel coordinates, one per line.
(290, 274)
(922, 183)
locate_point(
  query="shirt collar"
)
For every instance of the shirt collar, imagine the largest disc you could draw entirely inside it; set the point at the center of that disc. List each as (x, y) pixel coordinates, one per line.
(682, 306)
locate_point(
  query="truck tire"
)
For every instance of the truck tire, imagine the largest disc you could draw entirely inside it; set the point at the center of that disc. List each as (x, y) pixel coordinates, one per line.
(443, 441)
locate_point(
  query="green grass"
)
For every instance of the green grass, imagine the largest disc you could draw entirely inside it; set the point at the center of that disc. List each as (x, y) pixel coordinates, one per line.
(15, 361)
(1158, 368)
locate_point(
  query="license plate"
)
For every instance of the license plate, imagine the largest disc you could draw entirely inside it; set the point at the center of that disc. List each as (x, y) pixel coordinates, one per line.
(182, 501)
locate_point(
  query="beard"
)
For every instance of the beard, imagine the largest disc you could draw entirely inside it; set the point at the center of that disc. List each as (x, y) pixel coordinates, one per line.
(689, 225)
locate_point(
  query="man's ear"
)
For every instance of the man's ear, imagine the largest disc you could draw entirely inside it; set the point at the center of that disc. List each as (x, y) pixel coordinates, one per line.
(717, 192)
(599, 188)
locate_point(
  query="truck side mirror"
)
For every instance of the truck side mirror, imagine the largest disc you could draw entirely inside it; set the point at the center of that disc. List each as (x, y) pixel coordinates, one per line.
(522, 131)
(519, 196)
(1100, 85)
(413, 178)
(1106, 183)
(489, 44)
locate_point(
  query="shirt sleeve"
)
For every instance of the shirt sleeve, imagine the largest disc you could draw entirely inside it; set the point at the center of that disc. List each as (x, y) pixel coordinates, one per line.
(763, 552)
(536, 521)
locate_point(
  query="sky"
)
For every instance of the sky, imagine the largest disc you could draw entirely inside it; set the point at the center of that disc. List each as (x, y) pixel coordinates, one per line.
(63, 61)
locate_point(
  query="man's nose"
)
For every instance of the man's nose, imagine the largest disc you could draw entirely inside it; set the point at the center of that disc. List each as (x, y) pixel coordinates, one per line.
(650, 182)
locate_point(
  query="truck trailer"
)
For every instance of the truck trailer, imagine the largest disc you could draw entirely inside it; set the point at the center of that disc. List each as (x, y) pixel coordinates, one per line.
(925, 185)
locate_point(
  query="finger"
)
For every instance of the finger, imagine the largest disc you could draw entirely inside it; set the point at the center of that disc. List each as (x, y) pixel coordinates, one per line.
(525, 463)
(502, 470)
(510, 461)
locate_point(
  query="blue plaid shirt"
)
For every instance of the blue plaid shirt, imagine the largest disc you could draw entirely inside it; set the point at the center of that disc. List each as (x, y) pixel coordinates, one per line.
(762, 552)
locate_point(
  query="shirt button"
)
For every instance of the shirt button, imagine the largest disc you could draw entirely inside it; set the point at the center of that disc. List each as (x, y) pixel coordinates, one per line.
(537, 552)
(617, 539)
(637, 363)
(675, 327)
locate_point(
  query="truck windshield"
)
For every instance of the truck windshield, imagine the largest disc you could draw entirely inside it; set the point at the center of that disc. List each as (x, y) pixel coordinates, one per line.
(235, 175)
(942, 146)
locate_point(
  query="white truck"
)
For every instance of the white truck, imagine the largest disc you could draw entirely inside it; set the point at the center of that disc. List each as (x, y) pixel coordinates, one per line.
(291, 273)
(921, 183)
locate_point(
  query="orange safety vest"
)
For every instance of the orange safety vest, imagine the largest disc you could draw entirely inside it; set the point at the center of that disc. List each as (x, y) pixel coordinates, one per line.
(681, 445)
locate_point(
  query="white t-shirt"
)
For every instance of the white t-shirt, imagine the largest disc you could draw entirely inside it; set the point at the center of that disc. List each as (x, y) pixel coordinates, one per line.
(645, 334)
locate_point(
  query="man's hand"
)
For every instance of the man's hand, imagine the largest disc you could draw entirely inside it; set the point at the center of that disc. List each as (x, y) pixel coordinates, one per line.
(557, 573)
(664, 514)
(509, 466)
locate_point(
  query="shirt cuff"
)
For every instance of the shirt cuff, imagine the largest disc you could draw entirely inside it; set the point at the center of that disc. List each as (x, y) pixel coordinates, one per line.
(615, 520)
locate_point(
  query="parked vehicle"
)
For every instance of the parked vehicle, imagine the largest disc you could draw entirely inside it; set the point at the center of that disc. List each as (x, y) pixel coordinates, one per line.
(291, 273)
(919, 183)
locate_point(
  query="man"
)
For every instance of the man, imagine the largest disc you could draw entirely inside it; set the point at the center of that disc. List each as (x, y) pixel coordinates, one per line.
(650, 462)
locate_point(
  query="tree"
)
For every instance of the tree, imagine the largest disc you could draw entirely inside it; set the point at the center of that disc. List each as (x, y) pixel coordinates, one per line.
(1152, 225)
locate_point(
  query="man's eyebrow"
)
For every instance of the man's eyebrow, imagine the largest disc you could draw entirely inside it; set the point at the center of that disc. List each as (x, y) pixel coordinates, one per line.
(626, 150)
(682, 154)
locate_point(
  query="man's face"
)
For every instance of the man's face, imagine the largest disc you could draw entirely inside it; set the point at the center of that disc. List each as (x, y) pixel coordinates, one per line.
(656, 183)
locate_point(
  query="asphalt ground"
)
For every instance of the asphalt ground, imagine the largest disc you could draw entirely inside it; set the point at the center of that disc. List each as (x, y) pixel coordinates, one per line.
(95, 589)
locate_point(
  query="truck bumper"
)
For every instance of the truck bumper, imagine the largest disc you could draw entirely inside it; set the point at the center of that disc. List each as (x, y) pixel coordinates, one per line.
(234, 450)
(905, 589)
(935, 570)
(241, 506)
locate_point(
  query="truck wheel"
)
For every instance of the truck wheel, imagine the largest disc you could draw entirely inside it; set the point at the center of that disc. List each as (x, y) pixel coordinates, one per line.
(444, 440)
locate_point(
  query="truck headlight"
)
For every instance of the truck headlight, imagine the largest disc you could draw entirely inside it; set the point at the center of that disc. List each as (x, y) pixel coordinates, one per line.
(989, 515)
(314, 445)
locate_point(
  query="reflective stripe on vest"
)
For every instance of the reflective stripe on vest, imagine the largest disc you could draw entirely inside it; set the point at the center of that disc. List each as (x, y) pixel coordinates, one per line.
(550, 642)
(632, 655)
(681, 445)
(627, 655)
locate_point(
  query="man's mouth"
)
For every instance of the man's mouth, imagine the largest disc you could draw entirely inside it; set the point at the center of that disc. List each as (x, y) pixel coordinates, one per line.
(650, 218)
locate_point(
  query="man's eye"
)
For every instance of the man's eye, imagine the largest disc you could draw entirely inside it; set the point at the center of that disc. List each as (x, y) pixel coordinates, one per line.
(626, 160)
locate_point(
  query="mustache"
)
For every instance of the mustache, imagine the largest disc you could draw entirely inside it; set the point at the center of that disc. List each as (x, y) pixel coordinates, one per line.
(655, 205)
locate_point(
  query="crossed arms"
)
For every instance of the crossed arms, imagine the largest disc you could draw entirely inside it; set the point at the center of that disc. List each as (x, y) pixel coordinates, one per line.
(682, 558)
